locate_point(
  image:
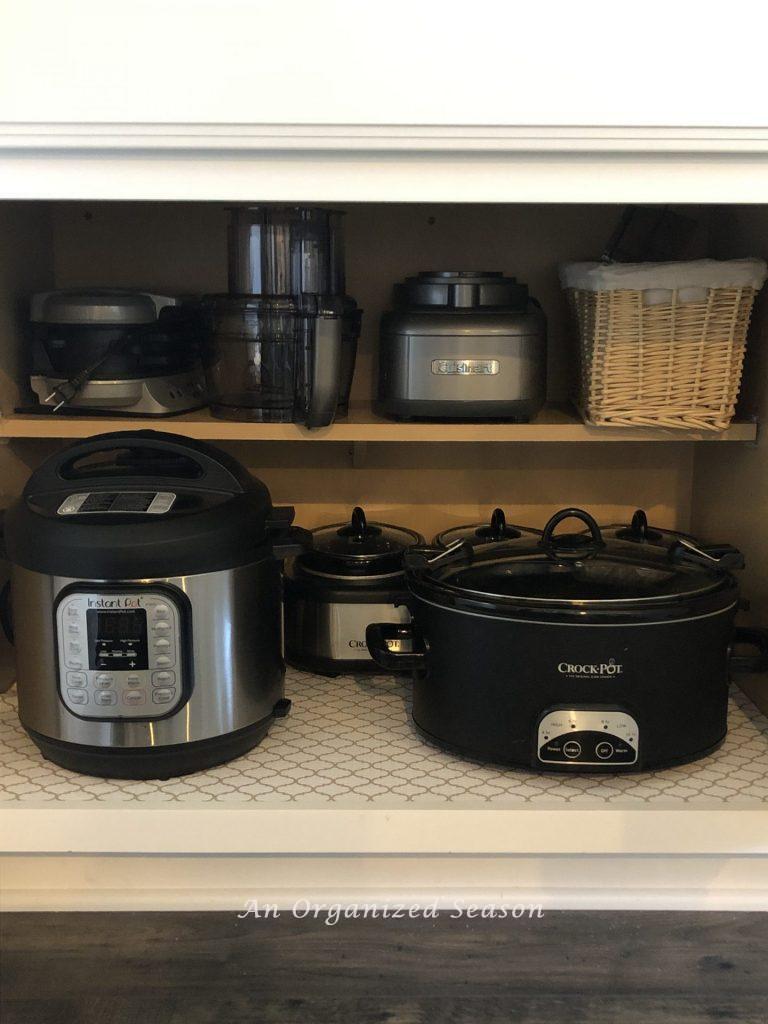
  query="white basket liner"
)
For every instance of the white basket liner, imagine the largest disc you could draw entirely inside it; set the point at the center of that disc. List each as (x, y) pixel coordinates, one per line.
(694, 274)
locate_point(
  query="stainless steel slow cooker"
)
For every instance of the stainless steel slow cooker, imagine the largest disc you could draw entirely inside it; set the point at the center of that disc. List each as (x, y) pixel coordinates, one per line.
(146, 599)
(351, 576)
(572, 652)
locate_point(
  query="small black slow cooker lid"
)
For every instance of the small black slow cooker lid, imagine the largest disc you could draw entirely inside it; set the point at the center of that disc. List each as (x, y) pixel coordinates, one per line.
(574, 574)
(495, 531)
(87, 512)
(358, 549)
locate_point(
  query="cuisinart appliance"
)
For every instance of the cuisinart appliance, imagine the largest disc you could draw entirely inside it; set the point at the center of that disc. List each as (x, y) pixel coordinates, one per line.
(351, 576)
(462, 345)
(572, 652)
(282, 344)
(109, 349)
(147, 604)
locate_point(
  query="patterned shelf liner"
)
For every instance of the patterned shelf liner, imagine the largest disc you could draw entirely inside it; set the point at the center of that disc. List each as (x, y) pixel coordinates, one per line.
(349, 742)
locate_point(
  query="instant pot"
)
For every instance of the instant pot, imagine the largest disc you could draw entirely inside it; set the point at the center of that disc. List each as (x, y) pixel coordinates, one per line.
(351, 576)
(147, 604)
(572, 652)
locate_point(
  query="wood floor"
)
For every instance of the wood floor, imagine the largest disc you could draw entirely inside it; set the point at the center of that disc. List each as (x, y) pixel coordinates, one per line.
(568, 968)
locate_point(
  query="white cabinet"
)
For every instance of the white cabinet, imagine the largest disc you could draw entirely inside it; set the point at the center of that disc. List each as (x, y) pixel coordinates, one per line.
(343, 62)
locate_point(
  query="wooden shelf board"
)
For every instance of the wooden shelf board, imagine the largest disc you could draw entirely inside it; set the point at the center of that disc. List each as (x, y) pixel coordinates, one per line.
(555, 423)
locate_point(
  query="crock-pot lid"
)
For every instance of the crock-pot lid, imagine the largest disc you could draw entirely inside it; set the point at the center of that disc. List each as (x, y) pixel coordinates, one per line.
(96, 306)
(574, 569)
(494, 531)
(359, 547)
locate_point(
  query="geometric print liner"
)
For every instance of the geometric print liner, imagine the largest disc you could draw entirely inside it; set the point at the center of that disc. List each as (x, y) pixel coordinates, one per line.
(349, 742)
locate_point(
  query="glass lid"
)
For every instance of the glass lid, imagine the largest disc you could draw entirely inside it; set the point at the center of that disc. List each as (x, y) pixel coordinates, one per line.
(496, 530)
(574, 569)
(359, 547)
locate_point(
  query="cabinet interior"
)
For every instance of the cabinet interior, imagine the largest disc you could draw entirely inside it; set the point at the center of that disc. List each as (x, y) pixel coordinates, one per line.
(720, 490)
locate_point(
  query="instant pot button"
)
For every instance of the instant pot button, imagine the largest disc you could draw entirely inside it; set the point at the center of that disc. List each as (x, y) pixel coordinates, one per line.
(74, 663)
(133, 680)
(77, 679)
(163, 696)
(132, 698)
(163, 678)
(77, 696)
(104, 681)
(162, 644)
(163, 661)
(105, 698)
(75, 647)
(572, 749)
(604, 750)
(73, 628)
(73, 611)
(161, 627)
(160, 611)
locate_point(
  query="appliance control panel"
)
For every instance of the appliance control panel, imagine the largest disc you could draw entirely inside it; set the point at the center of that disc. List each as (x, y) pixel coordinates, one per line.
(120, 653)
(155, 503)
(587, 737)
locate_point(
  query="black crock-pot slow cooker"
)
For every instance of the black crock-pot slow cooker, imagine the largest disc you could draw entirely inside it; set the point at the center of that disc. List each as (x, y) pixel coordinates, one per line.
(572, 652)
(147, 605)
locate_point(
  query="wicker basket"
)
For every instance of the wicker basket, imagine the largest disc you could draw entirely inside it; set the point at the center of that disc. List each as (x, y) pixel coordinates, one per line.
(670, 358)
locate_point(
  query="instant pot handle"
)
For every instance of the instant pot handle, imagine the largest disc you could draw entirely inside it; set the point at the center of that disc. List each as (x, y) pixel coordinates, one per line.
(571, 544)
(755, 638)
(325, 381)
(381, 638)
(212, 469)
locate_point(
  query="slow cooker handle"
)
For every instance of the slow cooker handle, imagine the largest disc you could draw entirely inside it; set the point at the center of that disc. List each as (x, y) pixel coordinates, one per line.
(377, 635)
(218, 471)
(581, 544)
(756, 638)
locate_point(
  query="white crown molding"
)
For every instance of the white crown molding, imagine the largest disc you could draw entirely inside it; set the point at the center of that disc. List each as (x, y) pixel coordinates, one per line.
(34, 137)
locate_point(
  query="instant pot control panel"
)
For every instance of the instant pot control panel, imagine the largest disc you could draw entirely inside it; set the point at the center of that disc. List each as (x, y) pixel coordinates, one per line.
(120, 652)
(587, 737)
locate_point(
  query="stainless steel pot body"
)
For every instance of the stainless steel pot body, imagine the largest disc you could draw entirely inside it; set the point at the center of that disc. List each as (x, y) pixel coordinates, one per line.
(233, 671)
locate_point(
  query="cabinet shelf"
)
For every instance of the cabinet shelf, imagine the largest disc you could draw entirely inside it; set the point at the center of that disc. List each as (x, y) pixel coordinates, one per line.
(556, 423)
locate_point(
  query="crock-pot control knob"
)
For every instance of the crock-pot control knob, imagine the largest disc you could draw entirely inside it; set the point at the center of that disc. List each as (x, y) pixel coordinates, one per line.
(571, 545)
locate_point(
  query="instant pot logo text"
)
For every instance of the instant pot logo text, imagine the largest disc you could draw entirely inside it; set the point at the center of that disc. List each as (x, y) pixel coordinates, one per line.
(115, 602)
(603, 670)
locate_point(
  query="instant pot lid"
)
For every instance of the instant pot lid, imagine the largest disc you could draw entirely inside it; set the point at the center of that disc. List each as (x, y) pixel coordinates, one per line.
(97, 306)
(575, 571)
(358, 548)
(140, 504)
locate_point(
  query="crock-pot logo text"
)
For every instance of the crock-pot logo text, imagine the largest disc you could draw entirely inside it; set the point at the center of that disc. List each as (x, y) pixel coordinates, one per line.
(604, 670)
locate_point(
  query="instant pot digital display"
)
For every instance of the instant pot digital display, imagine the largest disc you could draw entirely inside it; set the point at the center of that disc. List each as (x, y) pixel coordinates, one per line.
(117, 639)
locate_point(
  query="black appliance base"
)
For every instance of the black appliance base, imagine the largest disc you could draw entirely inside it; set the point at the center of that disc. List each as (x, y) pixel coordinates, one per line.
(567, 769)
(161, 762)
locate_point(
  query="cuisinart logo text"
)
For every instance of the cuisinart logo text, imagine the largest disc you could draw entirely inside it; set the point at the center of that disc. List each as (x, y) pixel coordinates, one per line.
(603, 670)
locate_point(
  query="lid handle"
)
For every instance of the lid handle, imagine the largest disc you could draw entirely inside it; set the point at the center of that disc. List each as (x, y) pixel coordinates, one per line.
(358, 529)
(153, 458)
(574, 544)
